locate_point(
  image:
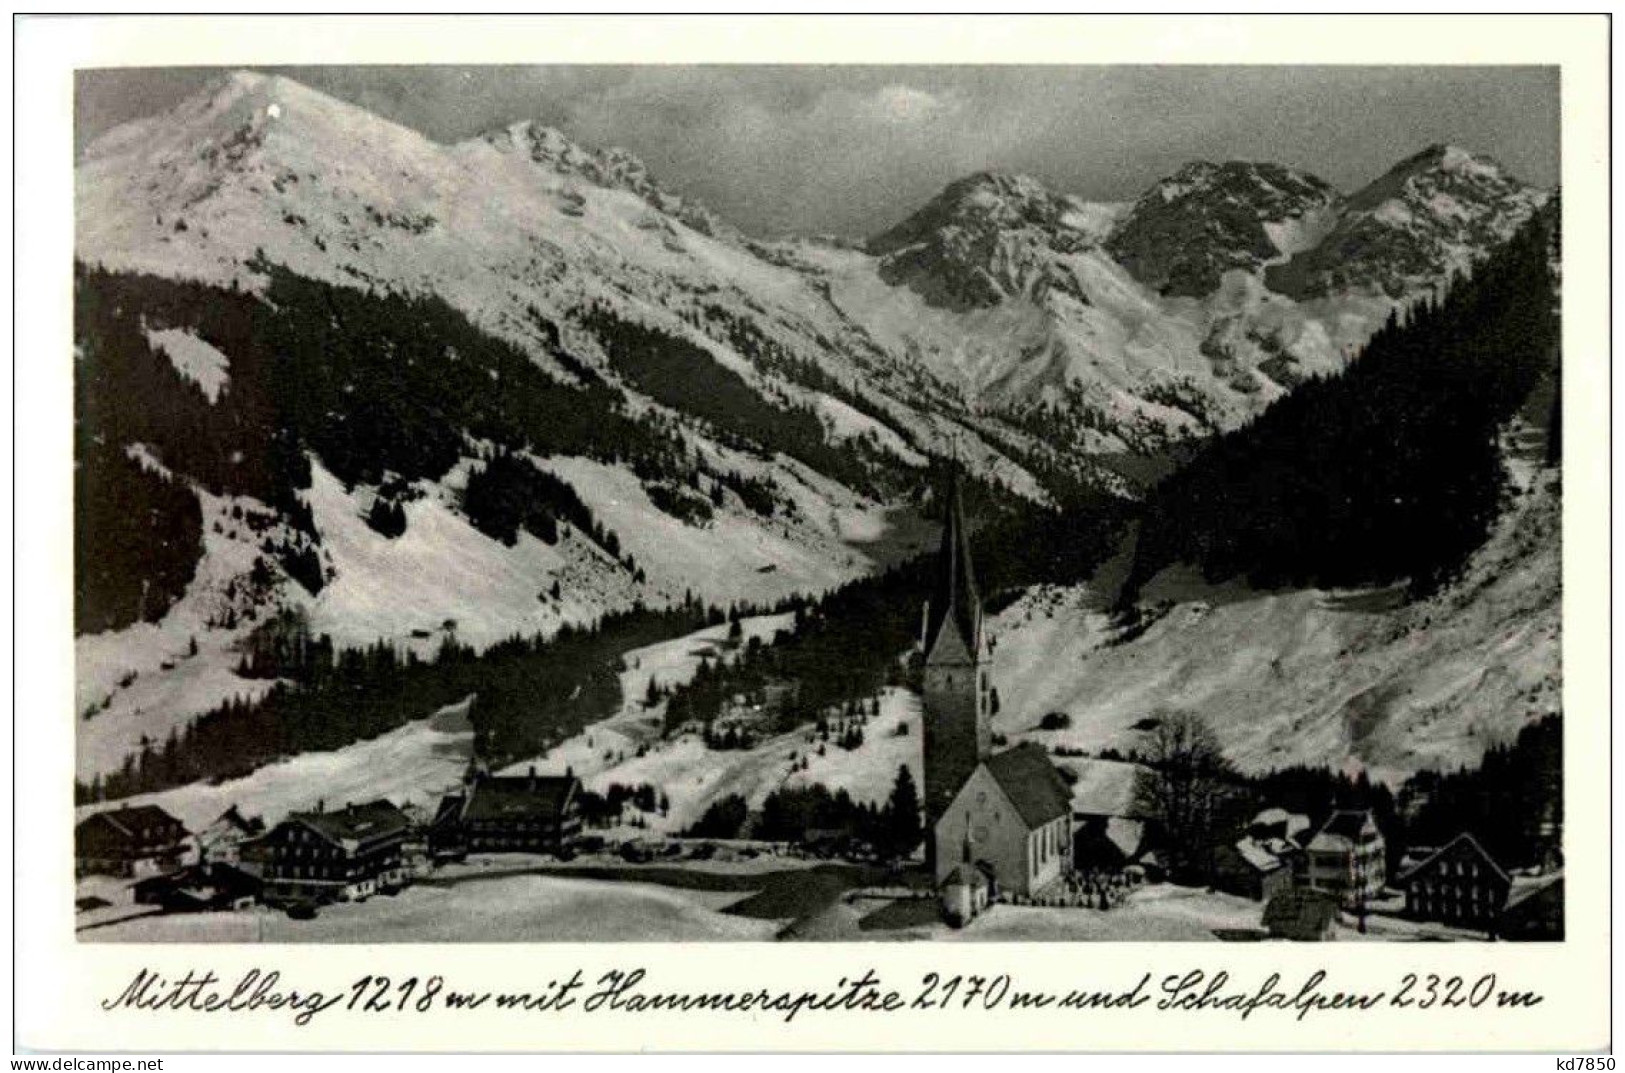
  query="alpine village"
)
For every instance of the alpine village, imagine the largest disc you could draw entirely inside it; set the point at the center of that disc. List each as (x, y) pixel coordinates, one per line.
(611, 574)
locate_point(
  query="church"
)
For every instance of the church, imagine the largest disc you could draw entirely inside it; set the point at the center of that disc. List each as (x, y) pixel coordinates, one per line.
(1007, 814)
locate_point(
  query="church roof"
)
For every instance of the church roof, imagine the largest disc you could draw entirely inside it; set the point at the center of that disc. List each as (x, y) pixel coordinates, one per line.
(1032, 784)
(954, 596)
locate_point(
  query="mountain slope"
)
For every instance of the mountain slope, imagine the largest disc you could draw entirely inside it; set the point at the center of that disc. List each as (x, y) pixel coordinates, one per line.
(1431, 216)
(1207, 219)
(1389, 470)
(1358, 680)
(539, 387)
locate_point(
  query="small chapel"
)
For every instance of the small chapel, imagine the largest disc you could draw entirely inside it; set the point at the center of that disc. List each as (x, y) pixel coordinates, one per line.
(1004, 818)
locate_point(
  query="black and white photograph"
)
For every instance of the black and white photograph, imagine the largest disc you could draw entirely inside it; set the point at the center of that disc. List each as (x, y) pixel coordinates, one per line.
(697, 503)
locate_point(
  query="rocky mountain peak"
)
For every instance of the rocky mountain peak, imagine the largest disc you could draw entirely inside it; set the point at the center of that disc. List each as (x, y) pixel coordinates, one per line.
(1432, 214)
(988, 237)
(982, 201)
(1207, 218)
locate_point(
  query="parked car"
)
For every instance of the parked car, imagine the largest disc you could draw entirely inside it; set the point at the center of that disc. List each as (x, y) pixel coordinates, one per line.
(303, 910)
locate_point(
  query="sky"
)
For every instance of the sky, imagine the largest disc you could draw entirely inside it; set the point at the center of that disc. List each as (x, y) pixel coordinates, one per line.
(852, 150)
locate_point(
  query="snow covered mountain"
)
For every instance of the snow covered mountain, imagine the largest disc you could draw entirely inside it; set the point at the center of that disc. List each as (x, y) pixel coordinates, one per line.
(1430, 216)
(989, 238)
(1207, 219)
(1039, 338)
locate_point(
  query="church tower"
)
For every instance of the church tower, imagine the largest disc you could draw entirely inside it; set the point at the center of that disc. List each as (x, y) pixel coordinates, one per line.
(957, 735)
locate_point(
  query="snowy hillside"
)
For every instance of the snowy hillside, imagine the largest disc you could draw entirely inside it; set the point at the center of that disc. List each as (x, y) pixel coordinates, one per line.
(998, 294)
(1391, 686)
(792, 394)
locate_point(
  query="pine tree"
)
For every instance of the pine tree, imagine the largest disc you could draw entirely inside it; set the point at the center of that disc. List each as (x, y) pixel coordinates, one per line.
(902, 815)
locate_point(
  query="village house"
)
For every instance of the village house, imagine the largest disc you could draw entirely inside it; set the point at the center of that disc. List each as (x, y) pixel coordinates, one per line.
(1251, 868)
(528, 813)
(1106, 844)
(1009, 813)
(222, 841)
(135, 841)
(1347, 858)
(1458, 884)
(346, 854)
(1268, 857)
(1110, 831)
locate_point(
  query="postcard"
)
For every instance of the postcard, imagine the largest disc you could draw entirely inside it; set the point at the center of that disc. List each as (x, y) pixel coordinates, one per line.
(1092, 531)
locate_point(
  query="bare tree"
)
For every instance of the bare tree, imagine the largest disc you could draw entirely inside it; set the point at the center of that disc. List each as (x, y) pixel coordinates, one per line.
(1182, 786)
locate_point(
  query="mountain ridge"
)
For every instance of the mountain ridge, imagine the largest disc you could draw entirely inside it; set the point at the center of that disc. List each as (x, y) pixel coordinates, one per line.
(995, 326)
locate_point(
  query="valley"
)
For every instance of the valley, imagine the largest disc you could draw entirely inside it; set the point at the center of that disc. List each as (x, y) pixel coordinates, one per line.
(398, 461)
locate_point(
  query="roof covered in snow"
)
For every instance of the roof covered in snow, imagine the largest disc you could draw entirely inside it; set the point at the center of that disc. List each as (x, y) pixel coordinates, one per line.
(1291, 823)
(1256, 855)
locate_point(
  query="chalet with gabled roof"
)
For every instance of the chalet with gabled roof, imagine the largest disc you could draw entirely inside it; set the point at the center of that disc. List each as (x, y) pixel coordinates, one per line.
(130, 840)
(527, 813)
(1458, 884)
(345, 854)
(223, 840)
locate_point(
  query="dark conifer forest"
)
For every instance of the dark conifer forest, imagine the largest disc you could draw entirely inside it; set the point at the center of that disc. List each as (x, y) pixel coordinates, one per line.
(382, 388)
(1387, 471)
(138, 537)
(683, 375)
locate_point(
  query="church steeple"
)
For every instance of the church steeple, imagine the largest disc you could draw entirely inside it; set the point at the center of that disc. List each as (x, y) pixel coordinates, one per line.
(955, 688)
(955, 601)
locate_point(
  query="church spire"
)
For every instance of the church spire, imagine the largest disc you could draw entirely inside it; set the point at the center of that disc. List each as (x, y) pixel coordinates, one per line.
(955, 601)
